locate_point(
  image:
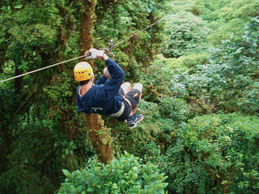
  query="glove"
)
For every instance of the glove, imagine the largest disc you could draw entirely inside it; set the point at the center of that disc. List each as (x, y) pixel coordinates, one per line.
(94, 54)
(106, 73)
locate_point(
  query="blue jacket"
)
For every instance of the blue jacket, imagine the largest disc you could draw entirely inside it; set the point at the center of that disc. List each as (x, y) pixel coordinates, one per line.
(103, 97)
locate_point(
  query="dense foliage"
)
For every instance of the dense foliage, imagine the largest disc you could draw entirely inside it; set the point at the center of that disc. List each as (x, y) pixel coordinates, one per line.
(199, 67)
(227, 82)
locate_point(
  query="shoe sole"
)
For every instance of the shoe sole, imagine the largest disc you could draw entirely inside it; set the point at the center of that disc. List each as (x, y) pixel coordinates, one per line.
(137, 122)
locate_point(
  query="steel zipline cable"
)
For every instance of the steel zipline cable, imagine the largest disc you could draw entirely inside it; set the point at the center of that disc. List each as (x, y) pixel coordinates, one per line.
(82, 56)
(40, 69)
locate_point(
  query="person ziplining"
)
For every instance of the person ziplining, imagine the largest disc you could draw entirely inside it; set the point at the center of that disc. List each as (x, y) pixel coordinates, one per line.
(108, 95)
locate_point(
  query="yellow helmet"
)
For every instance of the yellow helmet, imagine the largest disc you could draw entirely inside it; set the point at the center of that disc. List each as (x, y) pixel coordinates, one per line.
(83, 71)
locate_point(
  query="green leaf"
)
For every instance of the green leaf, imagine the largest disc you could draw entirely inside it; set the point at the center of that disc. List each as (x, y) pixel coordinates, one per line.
(66, 172)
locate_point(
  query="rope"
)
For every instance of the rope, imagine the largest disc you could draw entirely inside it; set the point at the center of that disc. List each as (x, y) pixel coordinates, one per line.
(66, 61)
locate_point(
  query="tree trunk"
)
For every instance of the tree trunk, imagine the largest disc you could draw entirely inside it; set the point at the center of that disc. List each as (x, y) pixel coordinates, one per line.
(86, 24)
(99, 135)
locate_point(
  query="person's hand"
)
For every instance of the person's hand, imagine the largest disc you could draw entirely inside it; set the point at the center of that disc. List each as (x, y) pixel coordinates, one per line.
(96, 54)
(106, 73)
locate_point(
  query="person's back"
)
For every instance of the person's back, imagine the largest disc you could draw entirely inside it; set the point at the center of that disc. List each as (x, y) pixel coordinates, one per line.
(107, 96)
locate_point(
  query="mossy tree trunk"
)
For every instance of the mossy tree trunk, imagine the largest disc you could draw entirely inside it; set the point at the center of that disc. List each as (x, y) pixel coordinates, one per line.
(99, 135)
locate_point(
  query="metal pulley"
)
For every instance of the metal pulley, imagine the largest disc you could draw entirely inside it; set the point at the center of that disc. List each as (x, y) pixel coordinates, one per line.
(109, 50)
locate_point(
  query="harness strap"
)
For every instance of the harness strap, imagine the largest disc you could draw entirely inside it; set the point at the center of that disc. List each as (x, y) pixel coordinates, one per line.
(120, 112)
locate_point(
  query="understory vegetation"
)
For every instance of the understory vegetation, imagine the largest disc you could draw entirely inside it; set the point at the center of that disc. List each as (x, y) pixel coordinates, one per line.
(199, 68)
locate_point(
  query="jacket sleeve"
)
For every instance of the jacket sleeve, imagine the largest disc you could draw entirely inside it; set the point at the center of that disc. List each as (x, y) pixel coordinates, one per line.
(112, 85)
(102, 79)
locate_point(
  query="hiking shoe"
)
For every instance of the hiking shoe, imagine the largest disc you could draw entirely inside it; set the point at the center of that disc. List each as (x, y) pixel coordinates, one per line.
(134, 119)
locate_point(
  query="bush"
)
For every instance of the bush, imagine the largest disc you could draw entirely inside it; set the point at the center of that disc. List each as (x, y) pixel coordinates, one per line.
(214, 153)
(174, 108)
(123, 175)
